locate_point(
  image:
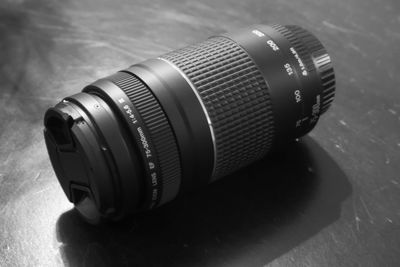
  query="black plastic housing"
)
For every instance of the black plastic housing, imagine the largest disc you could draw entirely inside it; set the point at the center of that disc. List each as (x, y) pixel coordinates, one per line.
(138, 138)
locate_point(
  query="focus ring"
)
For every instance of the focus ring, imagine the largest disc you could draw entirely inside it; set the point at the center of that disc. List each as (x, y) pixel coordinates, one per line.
(159, 129)
(236, 99)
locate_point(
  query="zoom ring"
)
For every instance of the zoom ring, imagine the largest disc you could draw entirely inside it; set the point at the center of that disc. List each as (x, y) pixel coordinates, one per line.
(161, 134)
(236, 98)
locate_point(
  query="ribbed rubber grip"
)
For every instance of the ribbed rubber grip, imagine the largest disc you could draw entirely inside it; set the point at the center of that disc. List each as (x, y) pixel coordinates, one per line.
(236, 99)
(159, 129)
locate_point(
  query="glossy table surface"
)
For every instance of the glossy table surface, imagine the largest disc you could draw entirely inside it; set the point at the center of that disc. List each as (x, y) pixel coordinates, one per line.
(331, 199)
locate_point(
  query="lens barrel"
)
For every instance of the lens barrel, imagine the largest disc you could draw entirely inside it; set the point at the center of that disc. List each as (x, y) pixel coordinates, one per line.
(138, 138)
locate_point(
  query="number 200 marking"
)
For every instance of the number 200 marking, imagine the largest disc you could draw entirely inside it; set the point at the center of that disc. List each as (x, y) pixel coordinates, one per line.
(273, 45)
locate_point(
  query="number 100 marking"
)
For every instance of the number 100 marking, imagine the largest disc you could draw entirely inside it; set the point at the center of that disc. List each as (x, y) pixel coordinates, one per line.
(297, 95)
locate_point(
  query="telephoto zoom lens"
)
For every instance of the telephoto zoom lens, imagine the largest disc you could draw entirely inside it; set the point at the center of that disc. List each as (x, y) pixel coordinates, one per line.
(136, 139)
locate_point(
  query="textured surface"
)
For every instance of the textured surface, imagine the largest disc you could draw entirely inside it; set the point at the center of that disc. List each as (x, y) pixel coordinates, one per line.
(157, 125)
(235, 96)
(332, 200)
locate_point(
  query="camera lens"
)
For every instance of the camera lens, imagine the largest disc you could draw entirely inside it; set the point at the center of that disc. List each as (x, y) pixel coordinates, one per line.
(136, 139)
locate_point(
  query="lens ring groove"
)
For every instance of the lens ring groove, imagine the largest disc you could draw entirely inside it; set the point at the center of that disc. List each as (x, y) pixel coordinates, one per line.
(161, 133)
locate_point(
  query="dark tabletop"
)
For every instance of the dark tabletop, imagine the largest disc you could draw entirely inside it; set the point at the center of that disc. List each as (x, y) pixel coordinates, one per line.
(331, 199)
